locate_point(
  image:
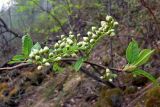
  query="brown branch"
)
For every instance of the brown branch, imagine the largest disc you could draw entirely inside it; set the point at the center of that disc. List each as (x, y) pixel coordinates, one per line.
(151, 12)
(141, 93)
(94, 64)
(14, 67)
(64, 59)
(4, 25)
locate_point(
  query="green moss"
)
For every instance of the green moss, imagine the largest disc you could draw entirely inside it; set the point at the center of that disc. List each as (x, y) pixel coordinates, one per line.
(109, 98)
(153, 97)
(130, 90)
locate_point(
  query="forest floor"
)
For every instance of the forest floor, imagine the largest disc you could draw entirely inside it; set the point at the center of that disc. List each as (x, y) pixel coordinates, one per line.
(28, 87)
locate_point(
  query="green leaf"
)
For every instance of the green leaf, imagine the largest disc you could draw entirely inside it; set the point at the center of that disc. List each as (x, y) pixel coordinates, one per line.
(26, 45)
(79, 63)
(132, 51)
(15, 61)
(146, 74)
(37, 46)
(18, 57)
(143, 57)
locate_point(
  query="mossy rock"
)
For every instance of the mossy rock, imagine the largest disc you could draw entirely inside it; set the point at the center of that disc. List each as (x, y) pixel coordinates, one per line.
(130, 90)
(153, 97)
(110, 98)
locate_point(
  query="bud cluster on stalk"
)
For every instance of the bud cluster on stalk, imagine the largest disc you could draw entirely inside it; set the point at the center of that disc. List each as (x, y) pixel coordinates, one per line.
(69, 46)
(40, 57)
(65, 41)
(109, 75)
(93, 36)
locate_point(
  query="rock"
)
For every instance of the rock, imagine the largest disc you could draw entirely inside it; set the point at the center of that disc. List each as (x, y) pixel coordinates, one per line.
(153, 97)
(110, 98)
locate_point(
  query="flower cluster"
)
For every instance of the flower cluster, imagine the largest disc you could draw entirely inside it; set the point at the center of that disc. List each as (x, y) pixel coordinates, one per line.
(65, 47)
(93, 36)
(40, 57)
(109, 75)
(69, 46)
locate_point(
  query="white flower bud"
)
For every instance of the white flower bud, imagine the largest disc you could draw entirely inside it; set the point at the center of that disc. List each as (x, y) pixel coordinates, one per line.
(108, 18)
(73, 55)
(101, 77)
(35, 51)
(112, 34)
(51, 54)
(45, 49)
(98, 32)
(58, 58)
(84, 43)
(40, 51)
(29, 61)
(107, 74)
(94, 36)
(110, 80)
(85, 39)
(78, 34)
(39, 67)
(69, 41)
(80, 43)
(44, 60)
(91, 41)
(89, 33)
(62, 45)
(70, 33)
(100, 29)
(103, 23)
(56, 45)
(115, 23)
(47, 64)
(37, 57)
(94, 29)
(107, 70)
(59, 41)
(63, 39)
(62, 36)
(31, 55)
(71, 36)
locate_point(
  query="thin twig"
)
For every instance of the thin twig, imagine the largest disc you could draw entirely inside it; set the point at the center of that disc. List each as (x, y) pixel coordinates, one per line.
(63, 59)
(141, 93)
(14, 67)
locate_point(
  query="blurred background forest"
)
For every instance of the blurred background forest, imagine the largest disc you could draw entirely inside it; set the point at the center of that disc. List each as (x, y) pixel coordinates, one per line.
(45, 20)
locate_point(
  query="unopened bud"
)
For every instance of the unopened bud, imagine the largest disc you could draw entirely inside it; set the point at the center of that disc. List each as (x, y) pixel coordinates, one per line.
(31, 55)
(94, 36)
(94, 29)
(51, 54)
(58, 58)
(91, 41)
(108, 18)
(62, 36)
(37, 57)
(44, 60)
(46, 49)
(39, 67)
(110, 80)
(71, 36)
(89, 33)
(47, 64)
(70, 33)
(85, 39)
